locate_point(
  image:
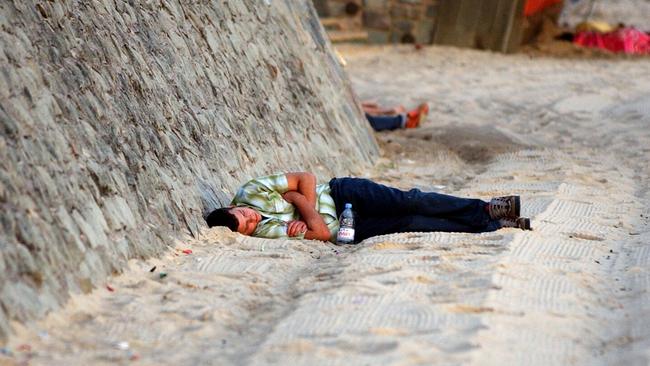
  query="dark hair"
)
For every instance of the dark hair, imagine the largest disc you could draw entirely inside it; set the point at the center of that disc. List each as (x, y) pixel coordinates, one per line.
(222, 217)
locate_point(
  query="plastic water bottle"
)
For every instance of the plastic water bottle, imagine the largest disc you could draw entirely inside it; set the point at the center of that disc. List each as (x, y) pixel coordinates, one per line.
(346, 226)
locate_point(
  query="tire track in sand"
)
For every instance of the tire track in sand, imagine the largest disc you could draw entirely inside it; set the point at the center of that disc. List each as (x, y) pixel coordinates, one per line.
(556, 290)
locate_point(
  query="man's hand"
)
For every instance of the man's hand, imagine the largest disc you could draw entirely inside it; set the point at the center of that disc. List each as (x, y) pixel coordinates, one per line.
(316, 227)
(291, 196)
(296, 227)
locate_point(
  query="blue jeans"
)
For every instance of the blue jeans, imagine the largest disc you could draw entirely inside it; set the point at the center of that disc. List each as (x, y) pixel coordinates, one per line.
(383, 210)
(380, 123)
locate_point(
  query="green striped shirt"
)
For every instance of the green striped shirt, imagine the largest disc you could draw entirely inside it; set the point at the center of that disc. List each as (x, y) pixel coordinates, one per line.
(265, 196)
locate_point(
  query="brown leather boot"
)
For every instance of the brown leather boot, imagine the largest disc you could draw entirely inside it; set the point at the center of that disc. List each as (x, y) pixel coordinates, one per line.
(521, 222)
(507, 207)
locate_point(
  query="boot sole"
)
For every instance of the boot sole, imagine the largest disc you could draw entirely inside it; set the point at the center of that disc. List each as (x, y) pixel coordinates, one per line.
(518, 207)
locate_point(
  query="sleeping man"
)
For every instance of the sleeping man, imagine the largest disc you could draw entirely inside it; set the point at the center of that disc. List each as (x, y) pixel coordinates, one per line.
(293, 205)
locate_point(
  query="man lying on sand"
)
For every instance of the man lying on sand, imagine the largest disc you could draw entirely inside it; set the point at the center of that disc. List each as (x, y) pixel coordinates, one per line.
(292, 205)
(382, 118)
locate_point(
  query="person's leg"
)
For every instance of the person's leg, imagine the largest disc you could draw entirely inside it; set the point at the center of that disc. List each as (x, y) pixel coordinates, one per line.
(367, 227)
(380, 123)
(371, 199)
(377, 110)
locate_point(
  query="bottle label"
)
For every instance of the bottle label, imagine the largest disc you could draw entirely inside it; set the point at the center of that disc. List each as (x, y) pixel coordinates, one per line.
(345, 234)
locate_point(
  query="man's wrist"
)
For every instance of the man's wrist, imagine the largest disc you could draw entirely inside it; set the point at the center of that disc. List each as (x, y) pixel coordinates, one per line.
(292, 196)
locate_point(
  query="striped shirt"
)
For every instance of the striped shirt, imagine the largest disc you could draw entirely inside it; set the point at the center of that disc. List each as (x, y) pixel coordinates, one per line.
(265, 196)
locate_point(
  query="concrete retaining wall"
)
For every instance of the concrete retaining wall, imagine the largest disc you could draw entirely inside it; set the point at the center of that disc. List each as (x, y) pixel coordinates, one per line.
(389, 21)
(121, 123)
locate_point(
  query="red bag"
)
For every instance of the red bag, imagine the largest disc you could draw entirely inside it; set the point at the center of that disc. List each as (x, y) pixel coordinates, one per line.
(629, 40)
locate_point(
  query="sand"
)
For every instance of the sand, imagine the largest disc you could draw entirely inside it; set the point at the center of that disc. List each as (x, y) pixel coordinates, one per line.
(571, 136)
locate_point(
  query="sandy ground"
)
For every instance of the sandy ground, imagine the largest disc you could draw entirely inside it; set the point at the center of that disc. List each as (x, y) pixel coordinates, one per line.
(571, 136)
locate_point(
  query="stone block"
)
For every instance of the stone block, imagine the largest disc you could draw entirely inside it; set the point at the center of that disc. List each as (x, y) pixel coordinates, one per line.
(336, 8)
(399, 12)
(416, 12)
(378, 37)
(423, 31)
(376, 20)
(404, 26)
(375, 5)
(118, 213)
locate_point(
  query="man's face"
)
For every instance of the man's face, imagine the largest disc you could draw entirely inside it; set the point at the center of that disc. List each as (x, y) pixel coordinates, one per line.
(247, 219)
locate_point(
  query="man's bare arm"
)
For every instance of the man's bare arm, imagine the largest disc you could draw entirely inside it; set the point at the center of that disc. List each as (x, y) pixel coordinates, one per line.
(305, 184)
(316, 227)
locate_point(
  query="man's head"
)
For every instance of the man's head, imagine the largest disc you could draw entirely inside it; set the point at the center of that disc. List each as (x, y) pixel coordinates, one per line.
(241, 219)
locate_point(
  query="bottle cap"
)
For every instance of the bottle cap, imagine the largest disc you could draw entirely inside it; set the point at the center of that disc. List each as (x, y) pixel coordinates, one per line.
(348, 205)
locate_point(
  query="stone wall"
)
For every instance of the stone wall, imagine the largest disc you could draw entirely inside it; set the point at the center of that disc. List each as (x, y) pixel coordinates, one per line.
(400, 21)
(123, 122)
(389, 21)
